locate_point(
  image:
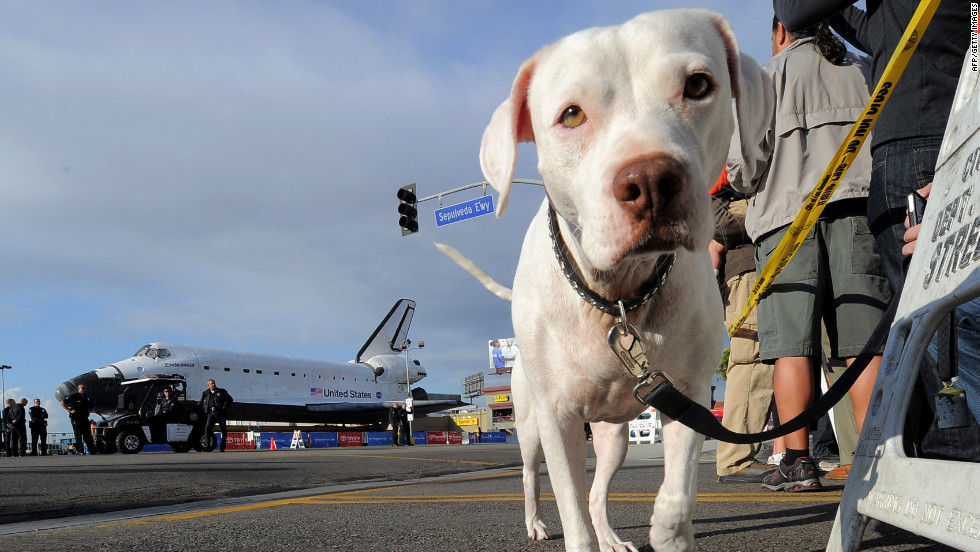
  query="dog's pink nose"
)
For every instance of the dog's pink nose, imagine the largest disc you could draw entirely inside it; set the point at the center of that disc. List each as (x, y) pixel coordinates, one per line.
(644, 187)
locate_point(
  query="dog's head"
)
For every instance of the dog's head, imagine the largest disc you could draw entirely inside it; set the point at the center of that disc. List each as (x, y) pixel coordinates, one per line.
(632, 126)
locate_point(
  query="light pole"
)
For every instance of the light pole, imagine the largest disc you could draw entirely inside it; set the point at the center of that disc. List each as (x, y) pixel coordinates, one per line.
(3, 381)
(408, 383)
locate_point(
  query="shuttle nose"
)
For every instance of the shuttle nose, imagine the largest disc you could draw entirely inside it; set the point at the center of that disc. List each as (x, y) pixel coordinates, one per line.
(90, 379)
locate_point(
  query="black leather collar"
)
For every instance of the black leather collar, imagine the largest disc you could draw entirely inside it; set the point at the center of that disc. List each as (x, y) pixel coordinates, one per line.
(647, 291)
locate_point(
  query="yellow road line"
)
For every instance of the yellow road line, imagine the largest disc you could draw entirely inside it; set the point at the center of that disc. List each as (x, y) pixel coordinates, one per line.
(424, 483)
(362, 497)
(208, 513)
(359, 498)
(291, 501)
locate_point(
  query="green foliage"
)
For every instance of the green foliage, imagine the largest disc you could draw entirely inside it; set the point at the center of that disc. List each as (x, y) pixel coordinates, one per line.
(722, 370)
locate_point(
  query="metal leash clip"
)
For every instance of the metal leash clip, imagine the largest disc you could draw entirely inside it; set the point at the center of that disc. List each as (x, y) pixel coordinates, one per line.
(631, 353)
(648, 381)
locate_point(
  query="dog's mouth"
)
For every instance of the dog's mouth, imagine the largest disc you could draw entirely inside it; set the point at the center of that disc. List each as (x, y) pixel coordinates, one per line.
(650, 238)
(667, 235)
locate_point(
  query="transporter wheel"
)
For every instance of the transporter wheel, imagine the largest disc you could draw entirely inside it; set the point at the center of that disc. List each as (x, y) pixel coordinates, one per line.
(129, 442)
(207, 442)
(196, 441)
(181, 447)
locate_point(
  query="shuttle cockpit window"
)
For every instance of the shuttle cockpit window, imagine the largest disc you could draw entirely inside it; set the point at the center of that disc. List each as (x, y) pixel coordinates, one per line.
(153, 352)
(142, 350)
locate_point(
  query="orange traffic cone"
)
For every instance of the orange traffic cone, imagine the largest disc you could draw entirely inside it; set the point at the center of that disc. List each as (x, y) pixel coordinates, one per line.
(273, 445)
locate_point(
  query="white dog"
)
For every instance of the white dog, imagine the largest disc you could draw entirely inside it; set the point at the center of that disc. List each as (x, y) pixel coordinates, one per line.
(632, 125)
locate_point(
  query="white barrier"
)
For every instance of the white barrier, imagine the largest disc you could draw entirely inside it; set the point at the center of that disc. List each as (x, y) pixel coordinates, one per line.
(936, 499)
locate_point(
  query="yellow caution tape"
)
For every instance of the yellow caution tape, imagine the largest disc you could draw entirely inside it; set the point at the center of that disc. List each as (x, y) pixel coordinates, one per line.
(841, 161)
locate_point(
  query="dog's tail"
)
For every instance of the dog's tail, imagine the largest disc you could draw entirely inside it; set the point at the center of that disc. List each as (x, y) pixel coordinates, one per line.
(469, 266)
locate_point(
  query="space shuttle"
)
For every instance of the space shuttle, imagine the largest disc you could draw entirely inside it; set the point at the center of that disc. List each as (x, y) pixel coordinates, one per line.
(269, 388)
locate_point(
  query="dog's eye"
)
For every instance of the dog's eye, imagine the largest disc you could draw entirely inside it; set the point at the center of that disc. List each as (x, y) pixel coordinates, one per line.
(697, 86)
(572, 117)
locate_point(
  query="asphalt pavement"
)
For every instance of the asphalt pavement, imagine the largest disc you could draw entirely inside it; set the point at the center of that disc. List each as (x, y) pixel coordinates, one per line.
(423, 498)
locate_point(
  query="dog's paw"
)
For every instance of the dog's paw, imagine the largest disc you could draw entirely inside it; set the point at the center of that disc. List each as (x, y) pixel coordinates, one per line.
(618, 546)
(610, 542)
(537, 531)
(672, 539)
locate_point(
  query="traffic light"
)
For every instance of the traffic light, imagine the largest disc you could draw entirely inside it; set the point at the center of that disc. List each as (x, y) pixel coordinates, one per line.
(408, 209)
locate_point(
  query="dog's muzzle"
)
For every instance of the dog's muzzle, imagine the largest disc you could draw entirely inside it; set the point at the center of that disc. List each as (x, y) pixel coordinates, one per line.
(650, 192)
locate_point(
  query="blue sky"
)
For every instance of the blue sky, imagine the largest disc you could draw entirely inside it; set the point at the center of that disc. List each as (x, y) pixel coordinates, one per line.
(223, 174)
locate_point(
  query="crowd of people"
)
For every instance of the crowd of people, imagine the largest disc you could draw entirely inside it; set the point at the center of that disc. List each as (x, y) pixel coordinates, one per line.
(213, 404)
(14, 420)
(826, 302)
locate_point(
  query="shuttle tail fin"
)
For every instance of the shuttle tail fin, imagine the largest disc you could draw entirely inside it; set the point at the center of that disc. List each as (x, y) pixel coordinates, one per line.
(390, 333)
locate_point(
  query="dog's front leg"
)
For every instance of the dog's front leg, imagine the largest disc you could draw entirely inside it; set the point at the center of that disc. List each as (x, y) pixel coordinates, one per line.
(526, 418)
(610, 442)
(670, 526)
(563, 439)
(532, 455)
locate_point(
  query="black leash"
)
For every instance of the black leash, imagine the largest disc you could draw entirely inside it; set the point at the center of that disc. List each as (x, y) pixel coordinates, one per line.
(675, 405)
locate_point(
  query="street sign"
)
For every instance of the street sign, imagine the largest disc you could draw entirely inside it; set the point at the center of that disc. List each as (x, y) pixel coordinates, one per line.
(466, 210)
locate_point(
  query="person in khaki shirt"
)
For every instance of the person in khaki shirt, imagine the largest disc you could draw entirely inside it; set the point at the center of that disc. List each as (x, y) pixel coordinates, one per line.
(836, 276)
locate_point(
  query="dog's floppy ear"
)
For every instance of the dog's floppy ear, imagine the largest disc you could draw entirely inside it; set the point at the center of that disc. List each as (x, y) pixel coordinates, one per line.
(510, 124)
(754, 97)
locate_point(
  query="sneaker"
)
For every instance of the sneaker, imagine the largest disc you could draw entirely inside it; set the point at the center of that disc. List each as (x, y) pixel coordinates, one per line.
(840, 473)
(801, 476)
(775, 459)
(829, 463)
(749, 474)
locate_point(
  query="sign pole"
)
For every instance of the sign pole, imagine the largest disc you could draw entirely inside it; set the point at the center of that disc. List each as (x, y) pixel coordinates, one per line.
(3, 381)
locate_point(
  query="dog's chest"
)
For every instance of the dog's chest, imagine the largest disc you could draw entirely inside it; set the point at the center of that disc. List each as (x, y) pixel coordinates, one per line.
(597, 381)
(565, 350)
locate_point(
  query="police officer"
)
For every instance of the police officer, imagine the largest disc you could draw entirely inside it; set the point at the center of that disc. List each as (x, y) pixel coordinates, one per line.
(14, 418)
(215, 402)
(6, 428)
(406, 434)
(22, 426)
(394, 418)
(168, 404)
(39, 428)
(79, 405)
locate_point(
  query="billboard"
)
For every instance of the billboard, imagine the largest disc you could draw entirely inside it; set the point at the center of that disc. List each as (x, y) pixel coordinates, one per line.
(503, 352)
(473, 385)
